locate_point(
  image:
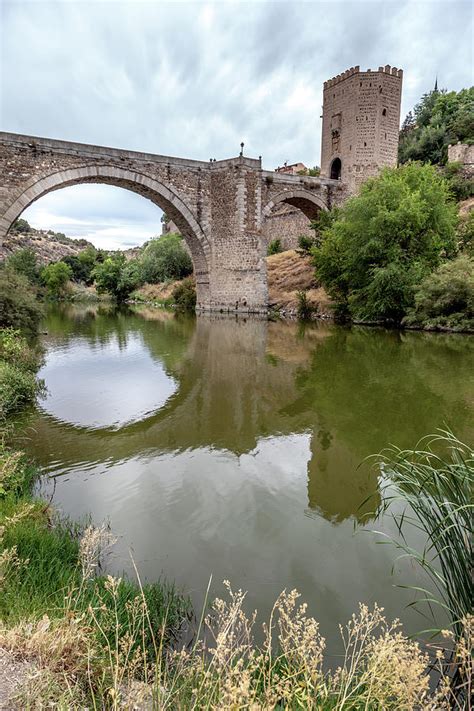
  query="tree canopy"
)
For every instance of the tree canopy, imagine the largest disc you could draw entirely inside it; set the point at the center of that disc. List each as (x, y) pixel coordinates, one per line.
(385, 240)
(439, 119)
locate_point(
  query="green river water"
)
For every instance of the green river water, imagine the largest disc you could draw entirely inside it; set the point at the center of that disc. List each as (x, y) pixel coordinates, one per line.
(236, 447)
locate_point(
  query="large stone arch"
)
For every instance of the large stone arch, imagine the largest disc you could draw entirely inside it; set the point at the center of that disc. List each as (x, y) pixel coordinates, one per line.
(309, 203)
(153, 190)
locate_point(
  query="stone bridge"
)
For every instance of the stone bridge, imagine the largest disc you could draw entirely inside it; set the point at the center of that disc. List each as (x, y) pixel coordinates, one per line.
(219, 206)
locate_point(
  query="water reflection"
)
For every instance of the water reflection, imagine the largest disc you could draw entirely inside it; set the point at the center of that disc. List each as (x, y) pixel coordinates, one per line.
(237, 447)
(150, 383)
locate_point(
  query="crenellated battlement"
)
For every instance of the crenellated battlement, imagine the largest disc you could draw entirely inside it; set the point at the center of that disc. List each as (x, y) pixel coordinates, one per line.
(393, 71)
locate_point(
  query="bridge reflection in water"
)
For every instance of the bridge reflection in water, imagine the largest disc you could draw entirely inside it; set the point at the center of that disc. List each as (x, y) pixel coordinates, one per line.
(236, 446)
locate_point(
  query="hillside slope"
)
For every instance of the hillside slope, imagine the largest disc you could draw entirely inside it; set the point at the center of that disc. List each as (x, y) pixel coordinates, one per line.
(48, 246)
(290, 272)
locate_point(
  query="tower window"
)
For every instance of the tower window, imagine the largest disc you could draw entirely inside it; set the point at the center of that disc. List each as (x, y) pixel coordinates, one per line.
(384, 112)
(365, 144)
(336, 169)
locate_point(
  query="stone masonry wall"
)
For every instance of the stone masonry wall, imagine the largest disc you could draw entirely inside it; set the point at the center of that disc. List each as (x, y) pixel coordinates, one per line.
(219, 207)
(361, 118)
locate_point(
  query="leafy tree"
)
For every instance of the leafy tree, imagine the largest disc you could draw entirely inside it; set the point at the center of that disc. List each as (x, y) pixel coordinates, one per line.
(82, 264)
(445, 298)
(19, 307)
(274, 247)
(440, 118)
(24, 262)
(385, 240)
(116, 276)
(55, 277)
(165, 258)
(20, 226)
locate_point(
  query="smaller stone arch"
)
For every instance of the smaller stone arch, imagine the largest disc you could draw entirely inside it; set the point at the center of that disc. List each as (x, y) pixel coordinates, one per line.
(309, 203)
(336, 169)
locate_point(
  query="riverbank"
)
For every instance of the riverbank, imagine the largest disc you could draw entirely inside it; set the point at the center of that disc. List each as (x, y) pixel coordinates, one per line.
(72, 638)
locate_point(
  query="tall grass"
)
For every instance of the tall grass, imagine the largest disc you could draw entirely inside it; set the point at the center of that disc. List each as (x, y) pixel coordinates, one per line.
(435, 482)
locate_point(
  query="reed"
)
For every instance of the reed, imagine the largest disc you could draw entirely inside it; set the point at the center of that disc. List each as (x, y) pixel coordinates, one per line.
(435, 483)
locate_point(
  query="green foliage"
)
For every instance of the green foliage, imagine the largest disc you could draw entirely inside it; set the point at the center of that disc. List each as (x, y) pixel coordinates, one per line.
(305, 243)
(435, 484)
(445, 298)
(165, 258)
(15, 349)
(20, 226)
(18, 364)
(324, 220)
(184, 295)
(385, 240)
(274, 247)
(465, 234)
(314, 171)
(305, 310)
(55, 277)
(18, 388)
(19, 307)
(116, 276)
(24, 261)
(440, 118)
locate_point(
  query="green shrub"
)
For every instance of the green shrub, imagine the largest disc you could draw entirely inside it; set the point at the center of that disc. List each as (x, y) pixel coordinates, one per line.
(305, 310)
(116, 276)
(56, 277)
(305, 243)
(19, 307)
(18, 388)
(15, 349)
(165, 258)
(465, 234)
(274, 247)
(184, 295)
(20, 226)
(385, 240)
(445, 298)
(24, 261)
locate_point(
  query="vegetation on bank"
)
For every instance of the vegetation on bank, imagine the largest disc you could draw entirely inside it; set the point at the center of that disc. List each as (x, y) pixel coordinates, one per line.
(388, 254)
(93, 273)
(439, 119)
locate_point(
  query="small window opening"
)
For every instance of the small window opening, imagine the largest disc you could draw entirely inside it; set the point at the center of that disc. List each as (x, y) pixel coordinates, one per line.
(365, 144)
(384, 112)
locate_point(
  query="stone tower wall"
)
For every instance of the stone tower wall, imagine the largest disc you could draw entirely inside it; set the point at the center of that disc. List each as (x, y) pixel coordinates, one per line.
(361, 120)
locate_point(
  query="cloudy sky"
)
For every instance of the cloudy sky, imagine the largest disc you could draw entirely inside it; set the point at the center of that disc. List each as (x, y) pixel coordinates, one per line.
(194, 79)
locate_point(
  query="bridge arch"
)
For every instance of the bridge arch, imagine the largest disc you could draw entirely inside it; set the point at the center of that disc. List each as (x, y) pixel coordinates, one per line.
(305, 200)
(152, 189)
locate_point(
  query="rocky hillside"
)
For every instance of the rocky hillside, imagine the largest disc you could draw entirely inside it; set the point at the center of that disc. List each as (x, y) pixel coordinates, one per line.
(49, 246)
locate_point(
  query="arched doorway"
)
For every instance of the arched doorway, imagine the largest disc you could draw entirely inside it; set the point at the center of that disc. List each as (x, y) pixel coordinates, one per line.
(336, 167)
(149, 188)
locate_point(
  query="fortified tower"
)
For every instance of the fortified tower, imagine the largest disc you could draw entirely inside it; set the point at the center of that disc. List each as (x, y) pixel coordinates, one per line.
(361, 120)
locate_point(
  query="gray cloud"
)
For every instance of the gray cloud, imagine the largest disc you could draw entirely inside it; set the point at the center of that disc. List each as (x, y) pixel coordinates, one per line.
(194, 79)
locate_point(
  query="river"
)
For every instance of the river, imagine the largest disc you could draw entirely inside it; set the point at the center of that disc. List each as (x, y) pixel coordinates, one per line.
(236, 447)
